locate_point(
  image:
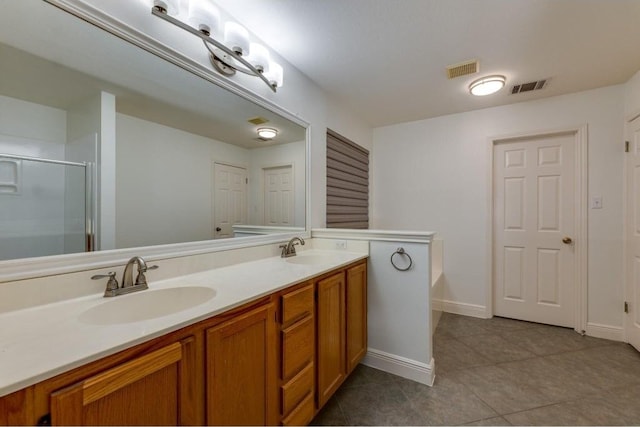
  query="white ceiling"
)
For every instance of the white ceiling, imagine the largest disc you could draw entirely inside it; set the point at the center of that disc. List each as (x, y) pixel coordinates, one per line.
(386, 59)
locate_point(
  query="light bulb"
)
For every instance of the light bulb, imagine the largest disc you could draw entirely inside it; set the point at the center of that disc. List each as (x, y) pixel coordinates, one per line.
(236, 37)
(172, 7)
(259, 57)
(204, 16)
(275, 74)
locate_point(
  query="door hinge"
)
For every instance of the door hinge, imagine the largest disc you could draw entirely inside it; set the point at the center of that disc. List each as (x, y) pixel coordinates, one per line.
(246, 180)
(626, 146)
(626, 307)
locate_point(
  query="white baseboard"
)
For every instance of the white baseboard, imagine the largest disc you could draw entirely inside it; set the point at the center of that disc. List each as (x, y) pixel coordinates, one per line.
(462, 308)
(615, 333)
(401, 366)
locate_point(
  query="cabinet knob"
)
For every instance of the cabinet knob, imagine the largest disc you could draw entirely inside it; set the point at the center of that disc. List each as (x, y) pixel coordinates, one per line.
(567, 240)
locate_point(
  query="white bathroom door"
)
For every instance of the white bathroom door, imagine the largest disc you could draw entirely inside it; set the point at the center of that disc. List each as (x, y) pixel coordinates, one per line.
(632, 321)
(534, 227)
(229, 199)
(278, 196)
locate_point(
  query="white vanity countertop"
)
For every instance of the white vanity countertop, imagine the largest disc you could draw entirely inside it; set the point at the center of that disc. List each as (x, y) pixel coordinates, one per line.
(41, 342)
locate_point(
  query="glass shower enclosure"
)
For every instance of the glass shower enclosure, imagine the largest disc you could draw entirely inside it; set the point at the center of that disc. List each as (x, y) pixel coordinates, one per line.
(46, 207)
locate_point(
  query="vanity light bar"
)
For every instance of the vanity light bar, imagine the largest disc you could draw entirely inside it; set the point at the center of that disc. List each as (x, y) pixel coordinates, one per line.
(229, 60)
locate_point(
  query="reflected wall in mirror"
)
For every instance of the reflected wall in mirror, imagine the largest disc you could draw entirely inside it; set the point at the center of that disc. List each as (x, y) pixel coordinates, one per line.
(128, 150)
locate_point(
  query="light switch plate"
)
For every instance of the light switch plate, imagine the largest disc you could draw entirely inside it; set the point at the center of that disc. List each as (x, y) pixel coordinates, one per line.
(596, 202)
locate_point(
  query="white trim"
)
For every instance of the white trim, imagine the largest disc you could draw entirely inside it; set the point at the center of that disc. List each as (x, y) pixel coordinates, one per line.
(401, 366)
(608, 332)
(580, 133)
(582, 228)
(379, 235)
(462, 308)
(625, 228)
(264, 229)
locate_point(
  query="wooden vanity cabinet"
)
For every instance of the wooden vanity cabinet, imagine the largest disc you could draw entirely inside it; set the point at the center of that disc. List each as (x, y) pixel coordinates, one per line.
(297, 353)
(154, 383)
(240, 369)
(341, 327)
(331, 336)
(356, 312)
(142, 391)
(175, 379)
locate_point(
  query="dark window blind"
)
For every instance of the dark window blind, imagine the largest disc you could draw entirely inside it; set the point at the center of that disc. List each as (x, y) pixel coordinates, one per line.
(347, 183)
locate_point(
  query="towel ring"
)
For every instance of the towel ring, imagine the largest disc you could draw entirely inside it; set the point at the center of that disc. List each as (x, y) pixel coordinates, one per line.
(401, 251)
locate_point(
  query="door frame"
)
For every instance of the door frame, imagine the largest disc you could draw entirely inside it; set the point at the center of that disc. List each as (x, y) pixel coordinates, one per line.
(264, 185)
(581, 202)
(625, 228)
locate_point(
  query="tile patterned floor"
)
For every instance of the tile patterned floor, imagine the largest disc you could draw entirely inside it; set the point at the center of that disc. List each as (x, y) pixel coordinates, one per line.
(500, 372)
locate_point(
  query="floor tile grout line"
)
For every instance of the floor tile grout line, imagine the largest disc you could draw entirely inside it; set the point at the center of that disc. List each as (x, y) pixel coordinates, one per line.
(342, 412)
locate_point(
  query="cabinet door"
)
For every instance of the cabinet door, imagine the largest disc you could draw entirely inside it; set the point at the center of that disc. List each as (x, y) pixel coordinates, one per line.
(331, 336)
(241, 369)
(356, 315)
(143, 391)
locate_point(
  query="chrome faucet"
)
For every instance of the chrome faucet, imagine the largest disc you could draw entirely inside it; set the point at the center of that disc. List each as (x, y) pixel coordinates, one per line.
(113, 289)
(289, 249)
(127, 276)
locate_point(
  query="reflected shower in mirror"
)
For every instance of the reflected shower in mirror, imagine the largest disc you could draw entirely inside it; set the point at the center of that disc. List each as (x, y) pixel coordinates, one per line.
(106, 155)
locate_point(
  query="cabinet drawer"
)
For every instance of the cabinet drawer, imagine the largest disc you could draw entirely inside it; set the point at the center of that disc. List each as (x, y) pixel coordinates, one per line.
(296, 389)
(302, 415)
(297, 347)
(297, 304)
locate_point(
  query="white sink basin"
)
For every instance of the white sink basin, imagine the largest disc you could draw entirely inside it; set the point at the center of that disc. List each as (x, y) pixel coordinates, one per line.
(145, 305)
(311, 259)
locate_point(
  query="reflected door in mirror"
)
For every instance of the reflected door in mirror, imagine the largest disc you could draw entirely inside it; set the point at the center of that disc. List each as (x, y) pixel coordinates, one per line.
(278, 196)
(229, 199)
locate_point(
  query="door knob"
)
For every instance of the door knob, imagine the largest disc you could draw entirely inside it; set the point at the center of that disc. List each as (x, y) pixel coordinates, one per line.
(567, 240)
(218, 229)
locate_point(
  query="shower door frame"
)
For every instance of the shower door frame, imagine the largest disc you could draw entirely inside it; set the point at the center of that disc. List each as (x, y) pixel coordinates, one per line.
(89, 214)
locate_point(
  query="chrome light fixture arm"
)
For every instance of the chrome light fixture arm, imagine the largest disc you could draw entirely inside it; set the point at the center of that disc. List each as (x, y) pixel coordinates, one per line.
(222, 65)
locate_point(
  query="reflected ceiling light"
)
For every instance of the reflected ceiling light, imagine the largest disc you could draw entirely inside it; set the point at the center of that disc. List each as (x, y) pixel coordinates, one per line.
(235, 53)
(487, 85)
(267, 133)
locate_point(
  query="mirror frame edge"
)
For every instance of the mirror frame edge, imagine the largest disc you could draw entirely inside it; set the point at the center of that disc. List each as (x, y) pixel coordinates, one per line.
(31, 268)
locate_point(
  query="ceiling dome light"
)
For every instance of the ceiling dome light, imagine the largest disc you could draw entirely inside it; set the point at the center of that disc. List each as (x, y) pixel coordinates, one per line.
(267, 133)
(487, 85)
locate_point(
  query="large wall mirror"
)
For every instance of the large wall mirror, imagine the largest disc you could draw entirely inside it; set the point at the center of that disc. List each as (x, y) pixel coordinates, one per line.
(104, 145)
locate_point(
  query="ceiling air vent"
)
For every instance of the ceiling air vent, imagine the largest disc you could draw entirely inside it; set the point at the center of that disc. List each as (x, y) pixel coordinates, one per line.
(258, 121)
(528, 87)
(462, 69)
